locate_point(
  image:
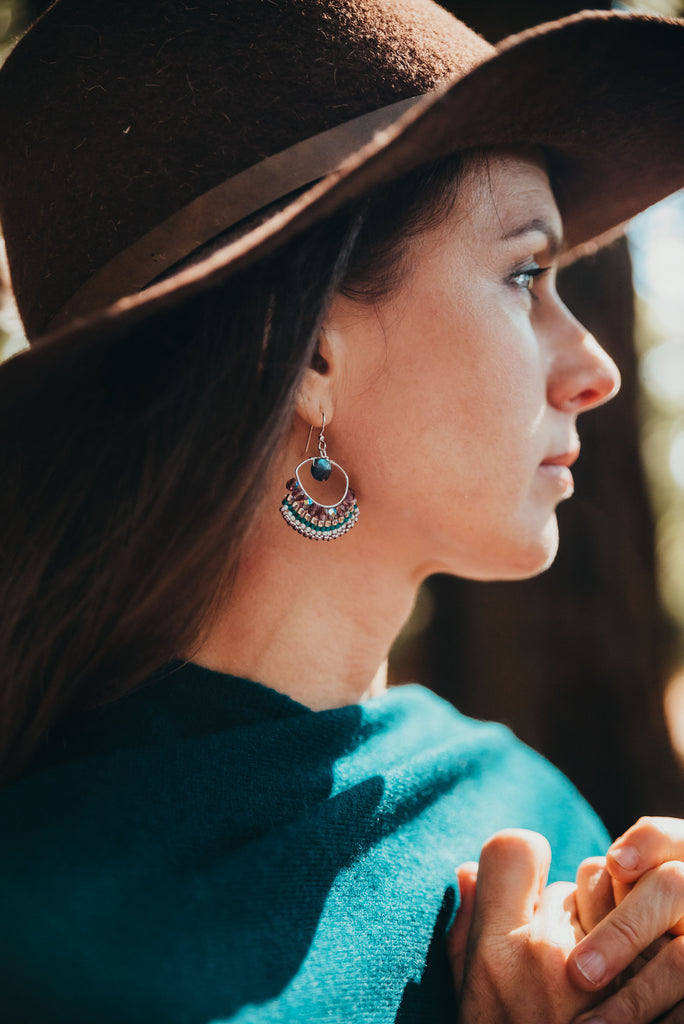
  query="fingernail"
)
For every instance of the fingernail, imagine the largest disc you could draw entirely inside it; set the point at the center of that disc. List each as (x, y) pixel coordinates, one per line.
(627, 857)
(592, 965)
(593, 1020)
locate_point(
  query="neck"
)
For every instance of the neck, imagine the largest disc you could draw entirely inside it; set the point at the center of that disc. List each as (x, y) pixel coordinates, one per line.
(311, 619)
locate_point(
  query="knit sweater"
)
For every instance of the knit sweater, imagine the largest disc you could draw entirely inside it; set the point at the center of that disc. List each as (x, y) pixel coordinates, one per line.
(209, 850)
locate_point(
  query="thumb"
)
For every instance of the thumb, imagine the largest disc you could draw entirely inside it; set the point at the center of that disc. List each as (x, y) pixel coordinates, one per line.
(514, 867)
(457, 938)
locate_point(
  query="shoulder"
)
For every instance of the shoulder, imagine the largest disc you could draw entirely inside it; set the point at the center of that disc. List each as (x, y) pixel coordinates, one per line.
(504, 781)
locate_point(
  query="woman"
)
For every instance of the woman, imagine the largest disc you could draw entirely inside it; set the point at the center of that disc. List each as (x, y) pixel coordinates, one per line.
(213, 810)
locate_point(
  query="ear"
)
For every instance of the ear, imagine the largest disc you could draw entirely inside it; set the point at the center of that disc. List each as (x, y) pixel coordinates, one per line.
(320, 385)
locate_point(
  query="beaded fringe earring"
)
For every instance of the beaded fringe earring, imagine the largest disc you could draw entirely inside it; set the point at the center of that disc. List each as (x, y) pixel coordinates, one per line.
(306, 515)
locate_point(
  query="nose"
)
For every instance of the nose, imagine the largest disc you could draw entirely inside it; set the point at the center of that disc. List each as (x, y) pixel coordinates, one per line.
(582, 376)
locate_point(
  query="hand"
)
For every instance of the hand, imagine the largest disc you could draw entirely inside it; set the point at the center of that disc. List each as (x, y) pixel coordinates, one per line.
(647, 844)
(644, 875)
(512, 937)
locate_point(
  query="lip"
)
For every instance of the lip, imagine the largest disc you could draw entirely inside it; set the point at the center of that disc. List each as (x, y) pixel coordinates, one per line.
(558, 468)
(566, 459)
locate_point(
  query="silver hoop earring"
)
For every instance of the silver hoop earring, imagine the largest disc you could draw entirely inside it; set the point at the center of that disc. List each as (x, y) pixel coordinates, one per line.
(306, 515)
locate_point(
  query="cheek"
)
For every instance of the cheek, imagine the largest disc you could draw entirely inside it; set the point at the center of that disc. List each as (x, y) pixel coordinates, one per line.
(445, 400)
(485, 393)
(449, 430)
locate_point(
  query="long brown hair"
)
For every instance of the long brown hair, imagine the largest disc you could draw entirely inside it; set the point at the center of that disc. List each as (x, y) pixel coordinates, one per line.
(126, 487)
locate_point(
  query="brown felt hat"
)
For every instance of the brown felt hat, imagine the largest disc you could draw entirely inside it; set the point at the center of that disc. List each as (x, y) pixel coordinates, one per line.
(133, 133)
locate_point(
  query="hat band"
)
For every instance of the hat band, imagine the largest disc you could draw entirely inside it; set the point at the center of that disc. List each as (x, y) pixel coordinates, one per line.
(224, 206)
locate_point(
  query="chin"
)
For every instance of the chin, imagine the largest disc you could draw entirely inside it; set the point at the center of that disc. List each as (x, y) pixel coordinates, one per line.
(538, 556)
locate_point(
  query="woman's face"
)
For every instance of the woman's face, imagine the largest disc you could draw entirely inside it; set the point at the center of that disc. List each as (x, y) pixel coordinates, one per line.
(455, 414)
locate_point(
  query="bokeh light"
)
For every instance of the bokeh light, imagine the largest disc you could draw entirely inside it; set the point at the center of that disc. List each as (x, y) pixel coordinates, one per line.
(657, 245)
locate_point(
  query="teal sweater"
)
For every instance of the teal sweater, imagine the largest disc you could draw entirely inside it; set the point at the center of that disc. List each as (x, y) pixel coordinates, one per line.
(209, 850)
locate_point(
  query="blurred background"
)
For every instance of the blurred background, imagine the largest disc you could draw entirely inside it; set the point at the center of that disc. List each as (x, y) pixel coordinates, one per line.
(585, 663)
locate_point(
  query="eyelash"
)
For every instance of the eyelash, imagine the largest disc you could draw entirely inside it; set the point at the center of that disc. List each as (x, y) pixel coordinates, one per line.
(530, 272)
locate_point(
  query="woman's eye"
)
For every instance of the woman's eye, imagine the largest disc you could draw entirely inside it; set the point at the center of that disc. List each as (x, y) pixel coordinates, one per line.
(525, 278)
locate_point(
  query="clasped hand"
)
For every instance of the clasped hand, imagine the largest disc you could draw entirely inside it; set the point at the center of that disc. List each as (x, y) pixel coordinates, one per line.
(608, 950)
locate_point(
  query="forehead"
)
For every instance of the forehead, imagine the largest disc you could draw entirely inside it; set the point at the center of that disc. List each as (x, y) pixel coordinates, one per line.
(505, 189)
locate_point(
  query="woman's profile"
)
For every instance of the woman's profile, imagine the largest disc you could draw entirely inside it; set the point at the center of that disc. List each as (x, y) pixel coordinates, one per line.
(288, 270)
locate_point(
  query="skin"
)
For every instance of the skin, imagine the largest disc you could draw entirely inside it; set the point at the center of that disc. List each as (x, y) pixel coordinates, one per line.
(648, 888)
(518, 950)
(442, 402)
(509, 960)
(445, 403)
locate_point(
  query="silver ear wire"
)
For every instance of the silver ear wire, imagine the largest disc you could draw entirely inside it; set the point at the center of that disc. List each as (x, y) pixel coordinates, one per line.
(323, 451)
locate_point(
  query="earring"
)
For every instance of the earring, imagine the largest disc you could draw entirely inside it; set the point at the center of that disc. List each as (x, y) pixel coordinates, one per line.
(307, 516)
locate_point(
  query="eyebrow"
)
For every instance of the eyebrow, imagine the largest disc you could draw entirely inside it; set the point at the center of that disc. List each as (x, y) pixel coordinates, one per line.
(538, 226)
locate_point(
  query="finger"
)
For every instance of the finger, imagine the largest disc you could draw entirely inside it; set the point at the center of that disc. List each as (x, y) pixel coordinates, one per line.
(655, 990)
(651, 841)
(514, 866)
(655, 903)
(647, 955)
(594, 892)
(556, 921)
(675, 1016)
(457, 937)
(620, 890)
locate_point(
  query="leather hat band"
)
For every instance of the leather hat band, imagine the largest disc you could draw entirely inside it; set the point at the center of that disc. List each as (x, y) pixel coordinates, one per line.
(224, 206)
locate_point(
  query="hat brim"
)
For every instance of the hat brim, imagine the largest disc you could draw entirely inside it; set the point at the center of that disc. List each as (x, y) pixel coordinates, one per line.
(602, 92)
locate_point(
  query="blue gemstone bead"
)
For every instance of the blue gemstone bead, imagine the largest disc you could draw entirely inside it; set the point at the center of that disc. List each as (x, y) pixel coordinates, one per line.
(321, 469)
